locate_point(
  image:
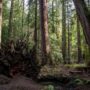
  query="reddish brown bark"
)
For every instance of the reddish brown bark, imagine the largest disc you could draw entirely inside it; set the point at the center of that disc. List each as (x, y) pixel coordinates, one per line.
(0, 1)
(84, 17)
(44, 29)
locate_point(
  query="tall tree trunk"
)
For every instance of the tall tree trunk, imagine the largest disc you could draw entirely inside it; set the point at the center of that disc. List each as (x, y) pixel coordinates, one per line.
(79, 42)
(35, 30)
(23, 1)
(84, 17)
(68, 33)
(68, 27)
(0, 22)
(64, 31)
(53, 27)
(28, 21)
(10, 29)
(44, 30)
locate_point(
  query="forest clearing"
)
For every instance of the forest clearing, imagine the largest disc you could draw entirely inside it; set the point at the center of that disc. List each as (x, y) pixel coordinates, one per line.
(44, 44)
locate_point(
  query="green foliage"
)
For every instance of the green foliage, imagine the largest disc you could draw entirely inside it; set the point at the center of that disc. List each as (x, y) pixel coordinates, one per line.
(50, 87)
(54, 23)
(75, 65)
(79, 82)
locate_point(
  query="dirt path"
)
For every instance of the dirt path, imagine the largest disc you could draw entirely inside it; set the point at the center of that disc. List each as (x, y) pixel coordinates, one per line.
(21, 83)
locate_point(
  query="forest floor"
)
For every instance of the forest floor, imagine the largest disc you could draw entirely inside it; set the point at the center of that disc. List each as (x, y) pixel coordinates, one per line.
(19, 82)
(51, 79)
(66, 71)
(18, 64)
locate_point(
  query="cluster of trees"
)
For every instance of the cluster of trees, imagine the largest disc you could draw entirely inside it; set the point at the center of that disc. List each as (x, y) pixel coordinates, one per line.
(57, 30)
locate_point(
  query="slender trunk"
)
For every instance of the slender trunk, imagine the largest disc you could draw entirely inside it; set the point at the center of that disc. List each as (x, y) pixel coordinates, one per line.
(64, 31)
(68, 27)
(35, 31)
(53, 27)
(28, 21)
(68, 33)
(10, 29)
(23, 1)
(79, 42)
(0, 22)
(44, 30)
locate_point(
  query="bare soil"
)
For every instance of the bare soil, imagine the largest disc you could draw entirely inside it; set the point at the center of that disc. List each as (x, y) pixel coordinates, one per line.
(20, 83)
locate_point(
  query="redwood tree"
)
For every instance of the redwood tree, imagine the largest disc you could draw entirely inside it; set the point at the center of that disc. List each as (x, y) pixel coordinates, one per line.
(64, 30)
(84, 17)
(44, 30)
